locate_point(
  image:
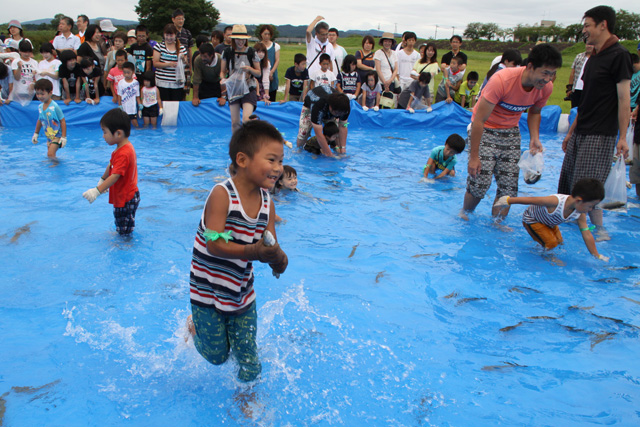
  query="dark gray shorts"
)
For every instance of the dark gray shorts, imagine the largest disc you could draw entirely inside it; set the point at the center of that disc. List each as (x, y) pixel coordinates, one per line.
(587, 156)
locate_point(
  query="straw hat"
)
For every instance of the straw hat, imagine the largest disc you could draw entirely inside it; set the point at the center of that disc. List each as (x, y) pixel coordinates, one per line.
(107, 26)
(386, 36)
(239, 31)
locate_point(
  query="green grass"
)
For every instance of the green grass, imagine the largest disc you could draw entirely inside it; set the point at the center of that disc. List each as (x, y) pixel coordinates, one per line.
(478, 61)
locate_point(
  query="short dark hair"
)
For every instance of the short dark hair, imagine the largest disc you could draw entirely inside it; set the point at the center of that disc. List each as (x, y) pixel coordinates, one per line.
(176, 13)
(129, 66)
(589, 189)
(149, 76)
(456, 143)
(339, 102)
(330, 128)
(67, 55)
(121, 35)
(511, 55)
(250, 137)
(84, 18)
(545, 54)
(457, 59)
(603, 13)
(369, 39)
(473, 75)
(228, 28)
(455, 36)
(334, 30)
(25, 46)
(142, 28)
(4, 70)
(206, 48)
(121, 52)
(201, 39)
(46, 47)
(116, 120)
(324, 57)
(635, 58)
(217, 34)
(86, 63)
(44, 84)
(299, 57)
(322, 26)
(68, 20)
(409, 35)
(424, 78)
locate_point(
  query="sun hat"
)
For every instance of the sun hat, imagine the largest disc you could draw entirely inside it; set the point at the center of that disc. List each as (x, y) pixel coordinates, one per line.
(131, 33)
(386, 36)
(239, 31)
(106, 26)
(14, 23)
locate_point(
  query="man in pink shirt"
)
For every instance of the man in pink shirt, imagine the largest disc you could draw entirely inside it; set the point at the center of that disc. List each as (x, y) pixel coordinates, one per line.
(495, 136)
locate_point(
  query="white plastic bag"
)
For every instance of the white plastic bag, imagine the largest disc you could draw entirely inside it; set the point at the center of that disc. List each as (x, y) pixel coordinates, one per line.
(532, 166)
(615, 188)
(237, 85)
(630, 130)
(180, 77)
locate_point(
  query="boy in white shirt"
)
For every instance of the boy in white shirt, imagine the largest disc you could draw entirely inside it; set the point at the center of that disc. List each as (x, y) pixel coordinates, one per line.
(407, 58)
(129, 93)
(48, 69)
(323, 76)
(24, 73)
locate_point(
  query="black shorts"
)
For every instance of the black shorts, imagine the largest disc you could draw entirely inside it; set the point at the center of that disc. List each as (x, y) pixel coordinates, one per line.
(133, 116)
(249, 98)
(153, 111)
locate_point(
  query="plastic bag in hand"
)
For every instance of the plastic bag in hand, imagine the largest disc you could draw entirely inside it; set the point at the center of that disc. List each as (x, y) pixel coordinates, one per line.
(237, 85)
(615, 188)
(531, 166)
(180, 78)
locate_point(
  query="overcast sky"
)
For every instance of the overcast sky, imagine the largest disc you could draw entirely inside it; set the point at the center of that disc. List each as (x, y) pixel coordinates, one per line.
(421, 17)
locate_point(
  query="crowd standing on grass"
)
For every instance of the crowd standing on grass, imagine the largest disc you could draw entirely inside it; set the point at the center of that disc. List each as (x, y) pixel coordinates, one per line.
(141, 74)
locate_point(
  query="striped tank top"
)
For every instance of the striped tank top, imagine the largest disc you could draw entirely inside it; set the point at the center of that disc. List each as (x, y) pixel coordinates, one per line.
(166, 76)
(227, 284)
(541, 214)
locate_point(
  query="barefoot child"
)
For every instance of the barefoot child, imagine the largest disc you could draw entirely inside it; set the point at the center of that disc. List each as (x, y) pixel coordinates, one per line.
(542, 217)
(121, 175)
(128, 91)
(442, 160)
(229, 237)
(50, 118)
(151, 101)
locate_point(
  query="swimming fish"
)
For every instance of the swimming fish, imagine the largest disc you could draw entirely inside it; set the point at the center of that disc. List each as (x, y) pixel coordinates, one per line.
(598, 338)
(543, 317)
(423, 255)
(353, 250)
(631, 300)
(628, 267)
(20, 231)
(520, 289)
(203, 173)
(466, 300)
(607, 280)
(405, 205)
(168, 164)
(380, 275)
(451, 295)
(394, 137)
(577, 307)
(383, 198)
(512, 327)
(506, 365)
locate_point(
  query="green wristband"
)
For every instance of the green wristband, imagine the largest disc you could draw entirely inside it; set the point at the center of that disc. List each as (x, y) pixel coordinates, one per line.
(212, 236)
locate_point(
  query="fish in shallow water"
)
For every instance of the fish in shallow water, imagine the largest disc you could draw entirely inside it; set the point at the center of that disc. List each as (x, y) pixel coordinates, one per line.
(607, 280)
(507, 365)
(423, 255)
(25, 229)
(466, 300)
(380, 275)
(353, 250)
(521, 289)
(395, 138)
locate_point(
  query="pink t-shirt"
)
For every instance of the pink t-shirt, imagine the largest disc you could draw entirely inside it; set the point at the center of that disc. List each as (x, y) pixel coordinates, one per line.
(505, 91)
(114, 76)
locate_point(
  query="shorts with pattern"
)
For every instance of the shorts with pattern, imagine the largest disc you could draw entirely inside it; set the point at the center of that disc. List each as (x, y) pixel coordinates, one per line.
(499, 155)
(217, 334)
(587, 156)
(126, 216)
(304, 129)
(549, 237)
(634, 170)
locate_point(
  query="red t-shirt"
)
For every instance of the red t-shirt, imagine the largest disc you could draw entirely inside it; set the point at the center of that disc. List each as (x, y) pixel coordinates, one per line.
(123, 163)
(505, 91)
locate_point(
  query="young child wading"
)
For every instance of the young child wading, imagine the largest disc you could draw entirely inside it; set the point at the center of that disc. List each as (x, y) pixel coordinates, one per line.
(229, 237)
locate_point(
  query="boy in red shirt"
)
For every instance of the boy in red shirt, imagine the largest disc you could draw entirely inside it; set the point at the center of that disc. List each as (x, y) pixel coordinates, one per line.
(121, 174)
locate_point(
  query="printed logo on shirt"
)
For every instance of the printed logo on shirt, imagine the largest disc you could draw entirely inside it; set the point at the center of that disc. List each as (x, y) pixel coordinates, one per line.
(514, 108)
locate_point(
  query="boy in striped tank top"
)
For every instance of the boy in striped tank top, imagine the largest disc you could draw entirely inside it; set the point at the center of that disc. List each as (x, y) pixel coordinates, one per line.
(229, 237)
(544, 214)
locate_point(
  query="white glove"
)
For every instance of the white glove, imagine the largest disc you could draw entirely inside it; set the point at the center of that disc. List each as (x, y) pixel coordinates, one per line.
(411, 110)
(351, 96)
(365, 108)
(429, 109)
(502, 201)
(91, 194)
(100, 182)
(376, 108)
(34, 138)
(89, 101)
(161, 112)
(288, 144)
(603, 258)
(63, 141)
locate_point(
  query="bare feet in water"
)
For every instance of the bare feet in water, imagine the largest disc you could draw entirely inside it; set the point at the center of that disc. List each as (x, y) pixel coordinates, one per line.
(190, 327)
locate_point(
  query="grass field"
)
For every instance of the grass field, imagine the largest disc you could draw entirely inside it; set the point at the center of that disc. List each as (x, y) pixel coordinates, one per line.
(478, 61)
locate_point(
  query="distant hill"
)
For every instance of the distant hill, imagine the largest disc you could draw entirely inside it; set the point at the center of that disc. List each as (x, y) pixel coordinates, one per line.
(116, 22)
(299, 31)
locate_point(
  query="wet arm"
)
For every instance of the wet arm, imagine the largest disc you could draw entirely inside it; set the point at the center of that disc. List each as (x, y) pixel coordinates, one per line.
(215, 218)
(589, 241)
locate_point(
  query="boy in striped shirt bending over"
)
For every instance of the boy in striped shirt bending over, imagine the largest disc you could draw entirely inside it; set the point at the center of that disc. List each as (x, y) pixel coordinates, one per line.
(544, 214)
(229, 237)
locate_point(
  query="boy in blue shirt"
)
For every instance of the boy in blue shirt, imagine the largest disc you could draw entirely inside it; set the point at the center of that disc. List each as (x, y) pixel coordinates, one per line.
(50, 117)
(297, 78)
(442, 160)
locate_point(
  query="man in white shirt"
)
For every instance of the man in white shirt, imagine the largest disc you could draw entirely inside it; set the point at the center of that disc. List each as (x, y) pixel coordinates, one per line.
(66, 39)
(338, 50)
(407, 58)
(319, 44)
